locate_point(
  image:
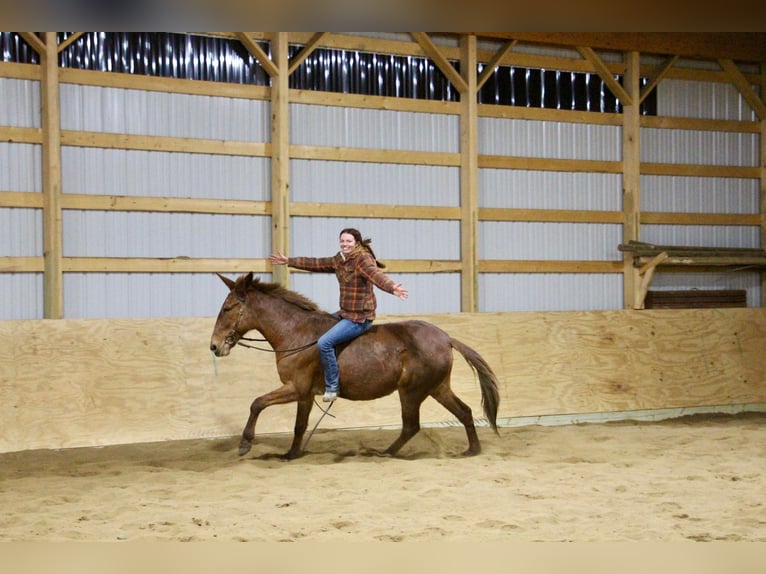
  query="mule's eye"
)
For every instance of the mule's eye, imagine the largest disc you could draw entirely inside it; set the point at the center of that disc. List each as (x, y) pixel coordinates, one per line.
(227, 309)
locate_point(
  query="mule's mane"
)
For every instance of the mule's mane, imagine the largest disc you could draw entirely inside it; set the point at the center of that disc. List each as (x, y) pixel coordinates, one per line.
(277, 290)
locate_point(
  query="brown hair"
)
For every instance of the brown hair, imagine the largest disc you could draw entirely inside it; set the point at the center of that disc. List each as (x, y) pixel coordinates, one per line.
(365, 243)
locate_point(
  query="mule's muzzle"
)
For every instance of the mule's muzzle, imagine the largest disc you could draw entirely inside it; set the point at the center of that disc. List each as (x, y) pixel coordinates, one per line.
(220, 350)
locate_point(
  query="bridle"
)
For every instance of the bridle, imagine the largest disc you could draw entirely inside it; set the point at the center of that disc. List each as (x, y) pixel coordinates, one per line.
(234, 338)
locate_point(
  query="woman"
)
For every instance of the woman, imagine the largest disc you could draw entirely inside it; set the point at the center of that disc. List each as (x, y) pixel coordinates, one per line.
(357, 271)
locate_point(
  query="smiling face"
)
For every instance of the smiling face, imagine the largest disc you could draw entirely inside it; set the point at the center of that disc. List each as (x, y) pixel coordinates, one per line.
(347, 243)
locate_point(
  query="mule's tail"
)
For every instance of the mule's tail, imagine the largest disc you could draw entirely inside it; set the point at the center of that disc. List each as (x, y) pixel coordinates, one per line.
(490, 395)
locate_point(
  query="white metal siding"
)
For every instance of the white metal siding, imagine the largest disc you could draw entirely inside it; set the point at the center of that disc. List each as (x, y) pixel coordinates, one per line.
(163, 174)
(532, 138)
(377, 129)
(19, 103)
(125, 111)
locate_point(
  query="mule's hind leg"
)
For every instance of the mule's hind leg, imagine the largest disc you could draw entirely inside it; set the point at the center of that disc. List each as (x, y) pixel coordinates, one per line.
(410, 421)
(449, 400)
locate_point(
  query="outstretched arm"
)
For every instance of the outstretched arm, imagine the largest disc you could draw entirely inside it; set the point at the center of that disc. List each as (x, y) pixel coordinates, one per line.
(401, 292)
(278, 259)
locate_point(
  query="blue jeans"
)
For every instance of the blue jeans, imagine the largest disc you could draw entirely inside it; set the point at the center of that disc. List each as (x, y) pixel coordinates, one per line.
(343, 331)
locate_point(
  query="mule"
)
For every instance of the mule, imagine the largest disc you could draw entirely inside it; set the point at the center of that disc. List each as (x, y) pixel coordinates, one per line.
(411, 357)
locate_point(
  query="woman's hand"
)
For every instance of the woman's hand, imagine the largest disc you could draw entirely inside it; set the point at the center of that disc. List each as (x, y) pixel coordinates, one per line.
(278, 259)
(401, 292)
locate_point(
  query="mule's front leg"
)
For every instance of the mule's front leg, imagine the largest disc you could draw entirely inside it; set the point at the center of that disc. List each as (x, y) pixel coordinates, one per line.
(285, 394)
(301, 424)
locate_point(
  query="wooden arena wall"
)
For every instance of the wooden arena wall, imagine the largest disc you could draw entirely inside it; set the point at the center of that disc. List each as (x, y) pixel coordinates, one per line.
(74, 383)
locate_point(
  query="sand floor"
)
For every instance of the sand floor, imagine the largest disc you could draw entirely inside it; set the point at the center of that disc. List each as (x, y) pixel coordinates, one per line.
(699, 478)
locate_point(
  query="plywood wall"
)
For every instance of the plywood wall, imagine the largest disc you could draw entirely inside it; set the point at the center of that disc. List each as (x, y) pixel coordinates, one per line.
(69, 383)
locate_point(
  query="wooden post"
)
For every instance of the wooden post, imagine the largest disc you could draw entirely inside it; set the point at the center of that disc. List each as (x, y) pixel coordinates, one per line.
(763, 184)
(469, 178)
(280, 156)
(631, 173)
(53, 300)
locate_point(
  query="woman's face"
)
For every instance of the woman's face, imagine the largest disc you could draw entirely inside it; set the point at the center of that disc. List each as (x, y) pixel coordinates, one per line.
(347, 243)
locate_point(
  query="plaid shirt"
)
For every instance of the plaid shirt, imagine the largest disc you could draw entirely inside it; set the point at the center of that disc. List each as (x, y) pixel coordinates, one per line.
(356, 274)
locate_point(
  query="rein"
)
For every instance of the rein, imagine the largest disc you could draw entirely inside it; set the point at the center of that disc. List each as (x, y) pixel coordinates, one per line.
(293, 350)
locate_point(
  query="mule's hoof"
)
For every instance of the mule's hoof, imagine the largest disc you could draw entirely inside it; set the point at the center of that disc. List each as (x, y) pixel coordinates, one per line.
(472, 452)
(244, 447)
(292, 455)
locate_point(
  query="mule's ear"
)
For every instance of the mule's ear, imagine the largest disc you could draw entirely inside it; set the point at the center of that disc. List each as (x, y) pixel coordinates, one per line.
(229, 282)
(249, 279)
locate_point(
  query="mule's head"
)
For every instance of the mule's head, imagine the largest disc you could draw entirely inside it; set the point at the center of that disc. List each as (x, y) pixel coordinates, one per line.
(229, 327)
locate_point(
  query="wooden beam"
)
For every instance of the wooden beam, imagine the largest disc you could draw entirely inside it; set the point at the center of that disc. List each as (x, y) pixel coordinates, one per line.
(280, 156)
(549, 266)
(305, 52)
(762, 183)
(744, 87)
(494, 63)
(605, 74)
(257, 52)
(631, 175)
(69, 41)
(441, 62)
(34, 41)
(162, 265)
(469, 177)
(53, 298)
(655, 78)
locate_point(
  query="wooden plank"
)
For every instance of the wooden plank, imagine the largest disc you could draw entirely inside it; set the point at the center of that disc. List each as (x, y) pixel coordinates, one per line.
(549, 164)
(549, 266)
(21, 199)
(305, 52)
(469, 177)
(606, 75)
(21, 264)
(162, 204)
(434, 53)
(258, 53)
(695, 124)
(549, 215)
(631, 176)
(364, 155)
(50, 96)
(163, 143)
(165, 85)
(648, 168)
(675, 218)
(162, 265)
(376, 211)
(744, 87)
(21, 135)
(280, 156)
(141, 380)
(655, 78)
(494, 63)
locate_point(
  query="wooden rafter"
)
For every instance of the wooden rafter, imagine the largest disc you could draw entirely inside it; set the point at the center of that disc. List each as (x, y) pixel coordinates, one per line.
(257, 52)
(441, 62)
(305, 52)
(744, 87)
(605, 74)
(69, 41)
(657, 76)
(34, 40)
(494, 63)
